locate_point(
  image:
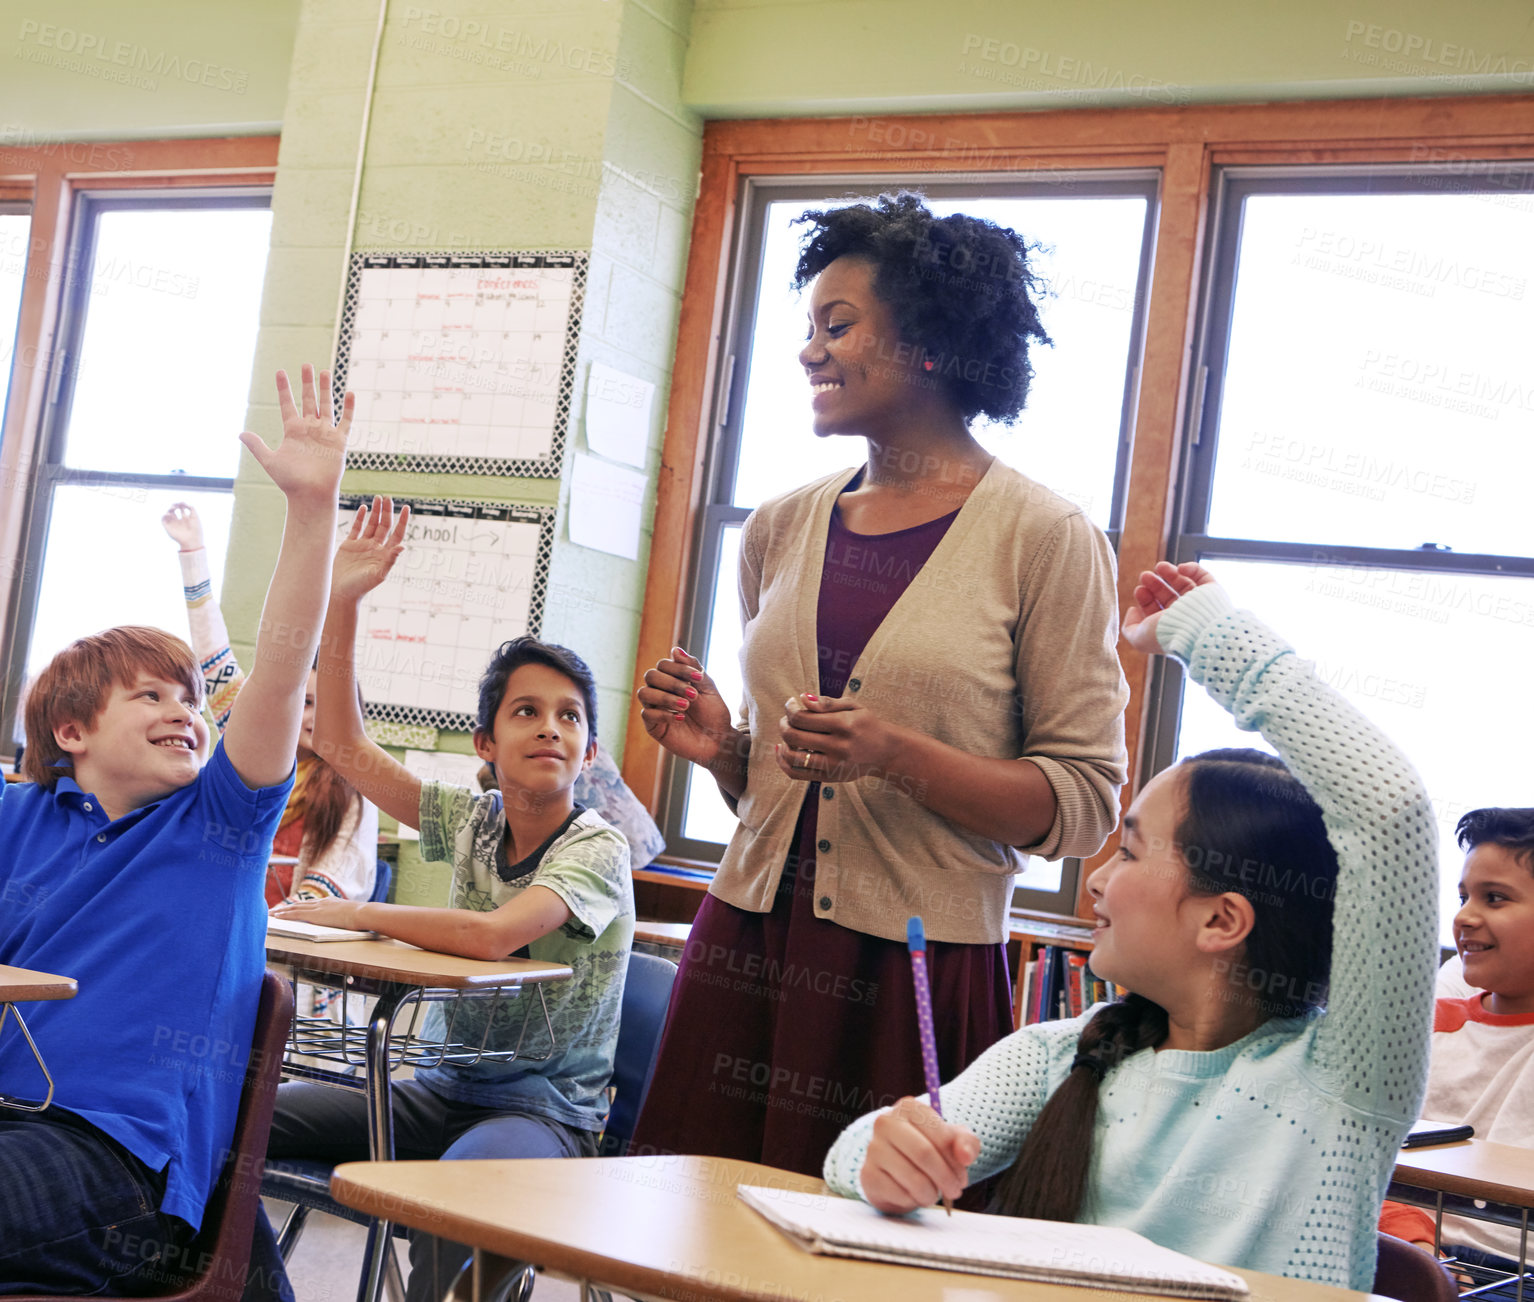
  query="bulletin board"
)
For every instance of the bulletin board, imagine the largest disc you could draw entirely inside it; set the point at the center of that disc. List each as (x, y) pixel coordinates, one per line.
(473, 575)
(462, 363)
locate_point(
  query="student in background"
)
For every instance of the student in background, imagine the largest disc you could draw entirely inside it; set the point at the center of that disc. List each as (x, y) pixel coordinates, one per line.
(1482, 1068)
(117, 870)
(328, 833)
(534, 873)
(1277, 923)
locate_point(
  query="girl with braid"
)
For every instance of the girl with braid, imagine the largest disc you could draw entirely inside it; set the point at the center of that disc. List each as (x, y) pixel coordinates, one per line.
(326, 846)
(1276, 921)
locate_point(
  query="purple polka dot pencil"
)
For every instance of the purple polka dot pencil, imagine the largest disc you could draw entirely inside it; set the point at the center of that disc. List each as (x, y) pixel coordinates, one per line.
(916, 942)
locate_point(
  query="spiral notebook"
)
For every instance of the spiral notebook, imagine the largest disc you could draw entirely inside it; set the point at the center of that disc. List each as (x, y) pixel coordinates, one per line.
(1050, 1252)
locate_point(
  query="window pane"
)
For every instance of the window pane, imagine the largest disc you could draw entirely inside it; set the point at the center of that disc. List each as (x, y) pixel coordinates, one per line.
(1377, 390)
(1425, 656)
(706, 817)
(15, 235)
(170, 332)
(136, 579)
(1068, 436)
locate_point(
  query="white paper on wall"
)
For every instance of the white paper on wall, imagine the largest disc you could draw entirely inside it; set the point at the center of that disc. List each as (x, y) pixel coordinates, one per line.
(618, 414)
(605, 505)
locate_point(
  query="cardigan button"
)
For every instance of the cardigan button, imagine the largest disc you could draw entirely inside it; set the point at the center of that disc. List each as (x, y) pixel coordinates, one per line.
(828, 793)
(854, 684)
(822, 845)
(101, 836)
(825, 901)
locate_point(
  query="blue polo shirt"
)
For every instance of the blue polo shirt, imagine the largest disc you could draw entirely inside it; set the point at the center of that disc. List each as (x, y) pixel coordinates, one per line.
(160, 917)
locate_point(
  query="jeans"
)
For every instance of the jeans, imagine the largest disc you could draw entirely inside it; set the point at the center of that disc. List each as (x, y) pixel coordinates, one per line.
(319, 1122)
(79, 1214)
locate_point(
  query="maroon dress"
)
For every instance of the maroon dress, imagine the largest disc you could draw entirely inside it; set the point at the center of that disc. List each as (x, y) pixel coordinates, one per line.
(785, 1027)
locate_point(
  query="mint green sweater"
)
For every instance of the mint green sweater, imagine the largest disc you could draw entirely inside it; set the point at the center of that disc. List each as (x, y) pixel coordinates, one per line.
(1272, 1153)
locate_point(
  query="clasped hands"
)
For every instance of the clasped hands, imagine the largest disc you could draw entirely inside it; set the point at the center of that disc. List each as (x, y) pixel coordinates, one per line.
(833, 739)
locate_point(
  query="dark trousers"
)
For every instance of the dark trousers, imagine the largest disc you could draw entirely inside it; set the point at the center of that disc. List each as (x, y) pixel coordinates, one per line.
(79, 1214)
(315, 1121)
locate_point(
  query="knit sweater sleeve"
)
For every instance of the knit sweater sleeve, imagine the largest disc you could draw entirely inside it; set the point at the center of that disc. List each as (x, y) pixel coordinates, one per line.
(221, 674)
(1370, 1047)
(997, 1097)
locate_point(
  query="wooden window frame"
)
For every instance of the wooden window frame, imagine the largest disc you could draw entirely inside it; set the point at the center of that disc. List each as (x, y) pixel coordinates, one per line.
(1184, 144)
(48, 176)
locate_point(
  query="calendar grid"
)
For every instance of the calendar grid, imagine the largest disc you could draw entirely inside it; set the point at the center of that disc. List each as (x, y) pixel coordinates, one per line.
(463, 363)
(473, 575)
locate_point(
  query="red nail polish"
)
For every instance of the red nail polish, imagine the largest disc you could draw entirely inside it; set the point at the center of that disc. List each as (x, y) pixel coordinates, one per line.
(691, 691)
(808, 696)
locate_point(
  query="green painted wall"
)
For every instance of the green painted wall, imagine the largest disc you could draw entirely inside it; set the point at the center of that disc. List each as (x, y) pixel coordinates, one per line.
(752, 58)
(102, 69)
(493, 126)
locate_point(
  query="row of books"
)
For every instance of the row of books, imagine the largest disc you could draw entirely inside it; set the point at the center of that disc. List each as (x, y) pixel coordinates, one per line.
(1058, 983)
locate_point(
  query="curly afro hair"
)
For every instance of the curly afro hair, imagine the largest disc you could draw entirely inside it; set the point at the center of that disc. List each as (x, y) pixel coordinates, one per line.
(960, 288)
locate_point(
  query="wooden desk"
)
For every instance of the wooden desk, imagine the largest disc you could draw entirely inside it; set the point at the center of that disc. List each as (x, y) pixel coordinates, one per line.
(22, 985)
(673, 935)
(1474, 1169)
(672, 1227)
(402, 976)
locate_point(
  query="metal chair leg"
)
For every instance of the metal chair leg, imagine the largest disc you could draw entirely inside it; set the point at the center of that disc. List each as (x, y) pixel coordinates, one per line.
(292, 1228)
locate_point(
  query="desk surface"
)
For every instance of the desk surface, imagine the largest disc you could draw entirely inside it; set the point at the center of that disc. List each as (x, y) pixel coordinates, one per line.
(663, 933)
(672, 1227)
(393, 960)
(1474, 1168)
(19, 983)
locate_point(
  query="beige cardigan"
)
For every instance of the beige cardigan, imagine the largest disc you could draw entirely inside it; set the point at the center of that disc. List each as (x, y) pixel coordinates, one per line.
(1003, 646)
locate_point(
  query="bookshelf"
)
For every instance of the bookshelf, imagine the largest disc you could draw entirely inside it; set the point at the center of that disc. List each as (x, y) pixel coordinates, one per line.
(1060, 949)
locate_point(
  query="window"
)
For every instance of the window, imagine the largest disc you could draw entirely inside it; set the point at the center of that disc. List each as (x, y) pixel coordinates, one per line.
(1094, 238)
(1357, 467)
(15, 226)
(147, 392)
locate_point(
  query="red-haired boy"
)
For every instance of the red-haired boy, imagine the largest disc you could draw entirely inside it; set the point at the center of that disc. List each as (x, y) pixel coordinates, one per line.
(131, 866)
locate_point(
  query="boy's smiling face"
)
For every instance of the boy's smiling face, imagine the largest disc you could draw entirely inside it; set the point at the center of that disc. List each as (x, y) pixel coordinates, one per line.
(1494, 928)
(148, 740)
(542, 739)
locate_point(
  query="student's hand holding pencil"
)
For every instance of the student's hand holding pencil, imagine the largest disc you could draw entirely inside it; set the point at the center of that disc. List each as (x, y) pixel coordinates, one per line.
(916, 1158)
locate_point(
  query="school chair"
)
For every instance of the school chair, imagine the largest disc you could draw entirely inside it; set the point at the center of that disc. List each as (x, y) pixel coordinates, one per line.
(646, 996)
(1406, 1272)
(383, 875)
(222, 1247)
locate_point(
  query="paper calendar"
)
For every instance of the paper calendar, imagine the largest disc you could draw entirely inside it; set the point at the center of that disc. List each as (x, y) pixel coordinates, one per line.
(461, 363)
(473, 575)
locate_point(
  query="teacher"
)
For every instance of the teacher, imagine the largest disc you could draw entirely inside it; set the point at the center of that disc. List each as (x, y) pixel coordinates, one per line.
(932, 695)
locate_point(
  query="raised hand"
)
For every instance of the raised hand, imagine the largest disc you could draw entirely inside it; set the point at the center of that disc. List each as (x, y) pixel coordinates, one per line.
(1157, 590)
(915, 1157)
(369, 550)
(182, 524)
(307, 464)
(682, 709)
(834, 739)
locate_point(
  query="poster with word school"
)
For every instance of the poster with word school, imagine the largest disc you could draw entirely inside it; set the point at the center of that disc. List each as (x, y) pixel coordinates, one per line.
(473, 575)
(462, 363)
